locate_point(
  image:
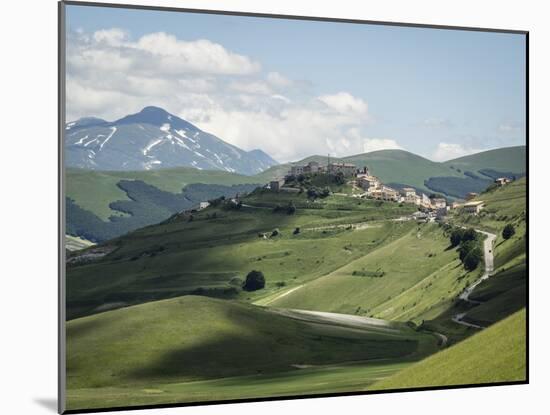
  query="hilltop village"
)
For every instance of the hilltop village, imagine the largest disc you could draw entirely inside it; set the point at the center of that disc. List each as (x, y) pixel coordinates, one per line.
(367, 185)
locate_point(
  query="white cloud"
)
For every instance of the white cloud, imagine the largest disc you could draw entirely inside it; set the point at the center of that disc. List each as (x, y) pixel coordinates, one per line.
(278, 80)
(252, 87)
(111, 37)
(202, 56)
(345, 103)
(449, 151)
(111, 75)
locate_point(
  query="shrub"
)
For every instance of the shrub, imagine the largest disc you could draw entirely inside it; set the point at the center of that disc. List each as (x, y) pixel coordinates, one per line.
(255, 280)
(508, 231)
(275, 232)
(296, 231)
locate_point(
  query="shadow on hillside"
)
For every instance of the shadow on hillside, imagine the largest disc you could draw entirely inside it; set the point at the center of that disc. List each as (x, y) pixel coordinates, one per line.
(268, 344)
(182, 257)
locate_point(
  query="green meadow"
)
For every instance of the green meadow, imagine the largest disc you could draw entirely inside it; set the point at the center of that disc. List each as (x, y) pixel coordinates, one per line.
(357, 297)
(181, 348)
(497, 354)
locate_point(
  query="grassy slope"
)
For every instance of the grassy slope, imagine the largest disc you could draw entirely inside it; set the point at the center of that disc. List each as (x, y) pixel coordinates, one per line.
(180, 257)
(160, 346)
(503, 159)
(505, 292)
(497, 354)
(503, 205)
(421, 276)
(94, 190)
(398, 166)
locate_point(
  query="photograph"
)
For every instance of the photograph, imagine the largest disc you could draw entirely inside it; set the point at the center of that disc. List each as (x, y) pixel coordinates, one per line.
(259, 207)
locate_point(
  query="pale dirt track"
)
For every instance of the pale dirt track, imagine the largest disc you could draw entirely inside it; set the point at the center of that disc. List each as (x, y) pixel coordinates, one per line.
(489, 268)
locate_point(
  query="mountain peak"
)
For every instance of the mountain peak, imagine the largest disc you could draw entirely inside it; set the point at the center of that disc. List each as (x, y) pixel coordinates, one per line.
(154, 110)
(148, 115)
(153, 138)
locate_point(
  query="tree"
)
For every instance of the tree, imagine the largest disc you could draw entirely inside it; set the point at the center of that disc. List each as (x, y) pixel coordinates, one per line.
(456, 237)
(255, 280)
(465, 248)
(296, 231)
(471, 261)
(469, 234)
(508, 231)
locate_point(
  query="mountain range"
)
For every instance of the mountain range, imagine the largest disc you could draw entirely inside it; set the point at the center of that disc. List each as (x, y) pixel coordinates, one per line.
(154, 139)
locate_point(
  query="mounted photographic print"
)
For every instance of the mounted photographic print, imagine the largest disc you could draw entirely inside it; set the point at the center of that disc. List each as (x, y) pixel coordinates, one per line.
(259, 207)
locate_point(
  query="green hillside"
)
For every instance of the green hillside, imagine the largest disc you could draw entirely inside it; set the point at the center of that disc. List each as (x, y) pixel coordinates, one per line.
(508, 159)
(454, 178)
(399, 166)
(159, 351)
(412, 278)
(214, 251)
(497, 354)
(95, 190)
(505, 291)
(503, 205)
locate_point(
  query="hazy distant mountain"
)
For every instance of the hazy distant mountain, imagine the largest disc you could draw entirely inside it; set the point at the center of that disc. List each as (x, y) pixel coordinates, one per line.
(152, 139)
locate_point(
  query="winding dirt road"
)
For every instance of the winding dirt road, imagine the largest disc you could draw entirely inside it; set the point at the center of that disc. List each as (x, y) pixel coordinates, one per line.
(489, 268)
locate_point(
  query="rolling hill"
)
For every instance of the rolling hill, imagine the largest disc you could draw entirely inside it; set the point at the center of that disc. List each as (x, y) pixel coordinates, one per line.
(453, 178)
(213, 252)
(498, 354)
(508, 159)
(152, 139)
(161, 350)
(95, 190)
(101, 205)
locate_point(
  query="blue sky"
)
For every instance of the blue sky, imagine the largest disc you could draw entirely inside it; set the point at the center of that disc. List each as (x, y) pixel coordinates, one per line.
(295, 88)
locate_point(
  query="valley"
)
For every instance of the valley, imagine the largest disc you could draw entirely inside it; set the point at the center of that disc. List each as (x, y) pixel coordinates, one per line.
(356, 291)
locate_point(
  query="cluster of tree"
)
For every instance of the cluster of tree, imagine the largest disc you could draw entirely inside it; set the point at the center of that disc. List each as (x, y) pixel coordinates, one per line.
(255, 280)
(314, 192)
(469, 247)
(289, 209)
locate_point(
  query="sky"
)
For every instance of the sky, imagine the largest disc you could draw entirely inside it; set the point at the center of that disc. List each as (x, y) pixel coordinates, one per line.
(295, 88)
